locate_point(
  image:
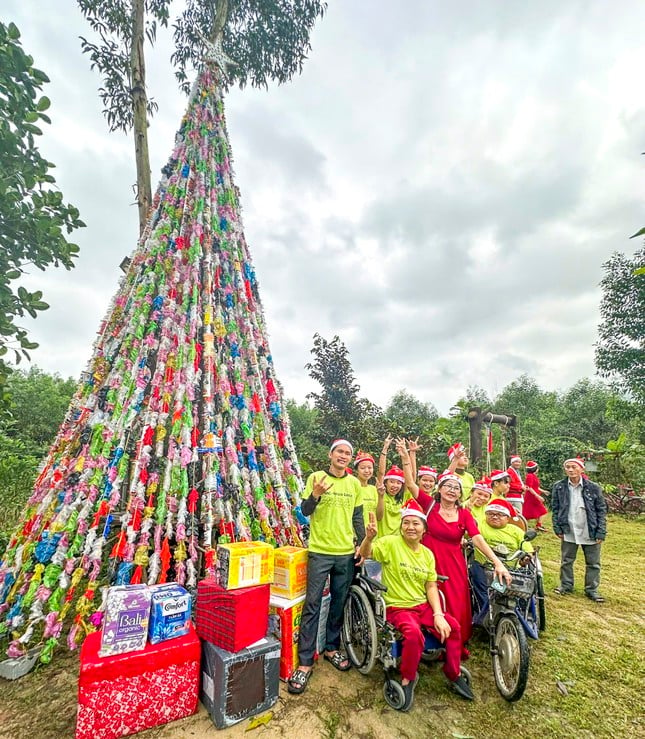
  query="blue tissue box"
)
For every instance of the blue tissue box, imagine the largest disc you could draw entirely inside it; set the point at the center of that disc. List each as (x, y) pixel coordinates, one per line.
(169, 612)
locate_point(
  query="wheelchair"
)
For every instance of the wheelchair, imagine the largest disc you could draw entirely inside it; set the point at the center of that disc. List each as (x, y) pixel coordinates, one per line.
(368, 636)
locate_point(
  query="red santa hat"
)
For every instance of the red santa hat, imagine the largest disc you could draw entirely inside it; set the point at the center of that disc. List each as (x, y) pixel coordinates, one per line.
(576, 460)
(498, 475)
(363, 457)
(515, 458)
(499, 505)
(427, 471)
(338, 442)
(449, 476)
(394, 473)
(412, 508)
(483, 485)
(455, 449)
(531, 465)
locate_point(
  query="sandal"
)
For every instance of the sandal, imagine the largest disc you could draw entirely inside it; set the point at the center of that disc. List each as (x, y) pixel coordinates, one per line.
(339, 661)
(298, 681)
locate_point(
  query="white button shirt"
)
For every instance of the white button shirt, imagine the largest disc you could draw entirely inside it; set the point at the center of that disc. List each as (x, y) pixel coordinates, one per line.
(578, 529)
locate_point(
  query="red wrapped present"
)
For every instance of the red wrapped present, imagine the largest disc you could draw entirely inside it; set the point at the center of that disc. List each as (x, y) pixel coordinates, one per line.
(127, 693)
(231, 619)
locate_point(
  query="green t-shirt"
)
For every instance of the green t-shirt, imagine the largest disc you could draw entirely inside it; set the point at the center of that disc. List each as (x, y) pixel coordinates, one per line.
(479, 513)
(370, 499)
(511, 536)
(405, 572)
(467, 482)
(330, 525)
(391, 521)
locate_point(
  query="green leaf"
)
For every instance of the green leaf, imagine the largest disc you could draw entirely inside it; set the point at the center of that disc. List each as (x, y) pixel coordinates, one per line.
(13, 32)
(43, 103)
(638, 233)
(639, 271)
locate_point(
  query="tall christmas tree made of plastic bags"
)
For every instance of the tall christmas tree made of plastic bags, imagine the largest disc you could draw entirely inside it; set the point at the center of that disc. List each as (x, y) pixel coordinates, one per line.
(177, 436)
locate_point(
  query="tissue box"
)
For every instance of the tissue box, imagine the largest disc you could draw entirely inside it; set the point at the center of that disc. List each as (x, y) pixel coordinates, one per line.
(231, 619)
(289, 572)
(284, 624)
(127, 693)
(125, 623)
(169, 612)
(242, 684)
(243, 564)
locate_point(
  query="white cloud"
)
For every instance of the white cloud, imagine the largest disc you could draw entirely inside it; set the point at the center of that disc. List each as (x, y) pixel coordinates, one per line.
(439, 187)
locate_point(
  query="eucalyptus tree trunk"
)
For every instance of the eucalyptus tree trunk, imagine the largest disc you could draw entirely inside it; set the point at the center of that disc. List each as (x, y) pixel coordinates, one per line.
(140, 117)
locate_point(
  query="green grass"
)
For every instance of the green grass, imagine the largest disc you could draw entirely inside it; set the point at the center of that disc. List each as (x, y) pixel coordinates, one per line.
(596, 651)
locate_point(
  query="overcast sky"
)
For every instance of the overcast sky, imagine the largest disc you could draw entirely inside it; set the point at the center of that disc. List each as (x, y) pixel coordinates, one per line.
(440, 187)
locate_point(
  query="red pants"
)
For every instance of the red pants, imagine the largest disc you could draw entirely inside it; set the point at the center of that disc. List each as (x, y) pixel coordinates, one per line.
(409, 622)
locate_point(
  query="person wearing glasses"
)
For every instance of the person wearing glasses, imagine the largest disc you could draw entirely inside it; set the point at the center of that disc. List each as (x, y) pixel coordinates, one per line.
(496, 530)
(447, 523)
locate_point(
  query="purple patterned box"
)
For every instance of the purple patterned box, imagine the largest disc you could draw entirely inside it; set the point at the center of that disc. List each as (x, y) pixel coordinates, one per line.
(125, 624)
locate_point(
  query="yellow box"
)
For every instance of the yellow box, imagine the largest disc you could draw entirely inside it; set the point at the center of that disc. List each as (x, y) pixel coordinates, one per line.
(244, 563)
(290, 572)
(284, 624)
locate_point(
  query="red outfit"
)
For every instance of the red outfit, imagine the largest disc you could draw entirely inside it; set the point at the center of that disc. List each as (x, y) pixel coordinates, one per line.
(516, 488)
(533, 508)
(443, 539)
(409, 622)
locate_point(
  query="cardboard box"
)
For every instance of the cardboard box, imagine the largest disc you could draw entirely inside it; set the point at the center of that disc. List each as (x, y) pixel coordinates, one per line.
(126, 693)
(289, 572)
(125, 626)
(284, 625)
(231, 619)
(243, 564)
(237, 685)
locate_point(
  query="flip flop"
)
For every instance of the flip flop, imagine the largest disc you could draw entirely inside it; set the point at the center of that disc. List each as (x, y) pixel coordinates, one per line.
(339, 661)
(298, 681)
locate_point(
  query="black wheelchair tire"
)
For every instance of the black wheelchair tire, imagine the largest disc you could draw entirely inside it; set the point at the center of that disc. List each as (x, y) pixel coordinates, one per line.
(393, 694)
(358, 619)
(510, 644)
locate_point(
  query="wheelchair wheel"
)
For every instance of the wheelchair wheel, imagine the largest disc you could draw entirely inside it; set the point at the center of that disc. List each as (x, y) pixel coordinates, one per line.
(393, 694)
(359, 630)
(510, 658)
(541, 607)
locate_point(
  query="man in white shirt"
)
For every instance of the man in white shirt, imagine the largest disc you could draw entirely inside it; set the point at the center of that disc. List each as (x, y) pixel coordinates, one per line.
(579, 519)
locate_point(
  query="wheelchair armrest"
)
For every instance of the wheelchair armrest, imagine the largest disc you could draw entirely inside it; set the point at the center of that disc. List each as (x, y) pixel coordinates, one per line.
(374, 583)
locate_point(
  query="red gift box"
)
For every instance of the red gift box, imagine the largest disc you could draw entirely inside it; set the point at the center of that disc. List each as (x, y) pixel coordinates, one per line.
(127, 693)
(231, 619)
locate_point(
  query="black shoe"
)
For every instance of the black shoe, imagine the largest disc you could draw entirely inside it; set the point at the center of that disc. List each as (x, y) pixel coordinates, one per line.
(561, 591)
(408, 690)
(461, 687)
(595, 597)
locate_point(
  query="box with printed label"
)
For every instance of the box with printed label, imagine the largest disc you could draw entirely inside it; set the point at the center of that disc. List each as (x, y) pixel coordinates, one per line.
(284, 624)
(244, 563)
(237, 685)
(169, 612)
(127, 693)
(125, 626)
(289, 572)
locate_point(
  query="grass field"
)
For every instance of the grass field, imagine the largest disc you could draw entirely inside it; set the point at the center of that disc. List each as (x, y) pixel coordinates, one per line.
(595, 651)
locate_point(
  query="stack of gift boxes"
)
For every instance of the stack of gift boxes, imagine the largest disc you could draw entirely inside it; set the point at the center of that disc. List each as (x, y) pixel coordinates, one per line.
(149, 665)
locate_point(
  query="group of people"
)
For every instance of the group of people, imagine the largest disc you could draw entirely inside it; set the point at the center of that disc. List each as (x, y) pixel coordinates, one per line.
(413, 520)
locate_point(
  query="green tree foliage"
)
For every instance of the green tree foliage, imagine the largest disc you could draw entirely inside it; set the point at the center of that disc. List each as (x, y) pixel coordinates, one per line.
(341, 412)
(34, 220)
(620, 350)
(39, 402)
(409, 415)
(266, 39)
(312, 454)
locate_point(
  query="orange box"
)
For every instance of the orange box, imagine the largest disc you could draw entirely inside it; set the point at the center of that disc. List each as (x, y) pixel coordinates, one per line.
(284, 624)
(243, 564)
(289, 572)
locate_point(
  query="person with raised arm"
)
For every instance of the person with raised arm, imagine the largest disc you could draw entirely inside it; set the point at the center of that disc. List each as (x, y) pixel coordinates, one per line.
(333, 501)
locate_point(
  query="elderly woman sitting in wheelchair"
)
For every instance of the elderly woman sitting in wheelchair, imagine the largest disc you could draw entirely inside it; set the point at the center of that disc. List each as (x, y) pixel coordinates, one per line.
(412, 599)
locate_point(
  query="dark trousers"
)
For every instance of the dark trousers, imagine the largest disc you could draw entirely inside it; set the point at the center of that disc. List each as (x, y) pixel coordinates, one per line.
(340, 569)
(592, 566)
(479, 584)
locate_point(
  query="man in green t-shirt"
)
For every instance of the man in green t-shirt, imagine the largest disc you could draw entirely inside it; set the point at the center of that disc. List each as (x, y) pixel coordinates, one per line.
(412, 598)
(333, 502)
